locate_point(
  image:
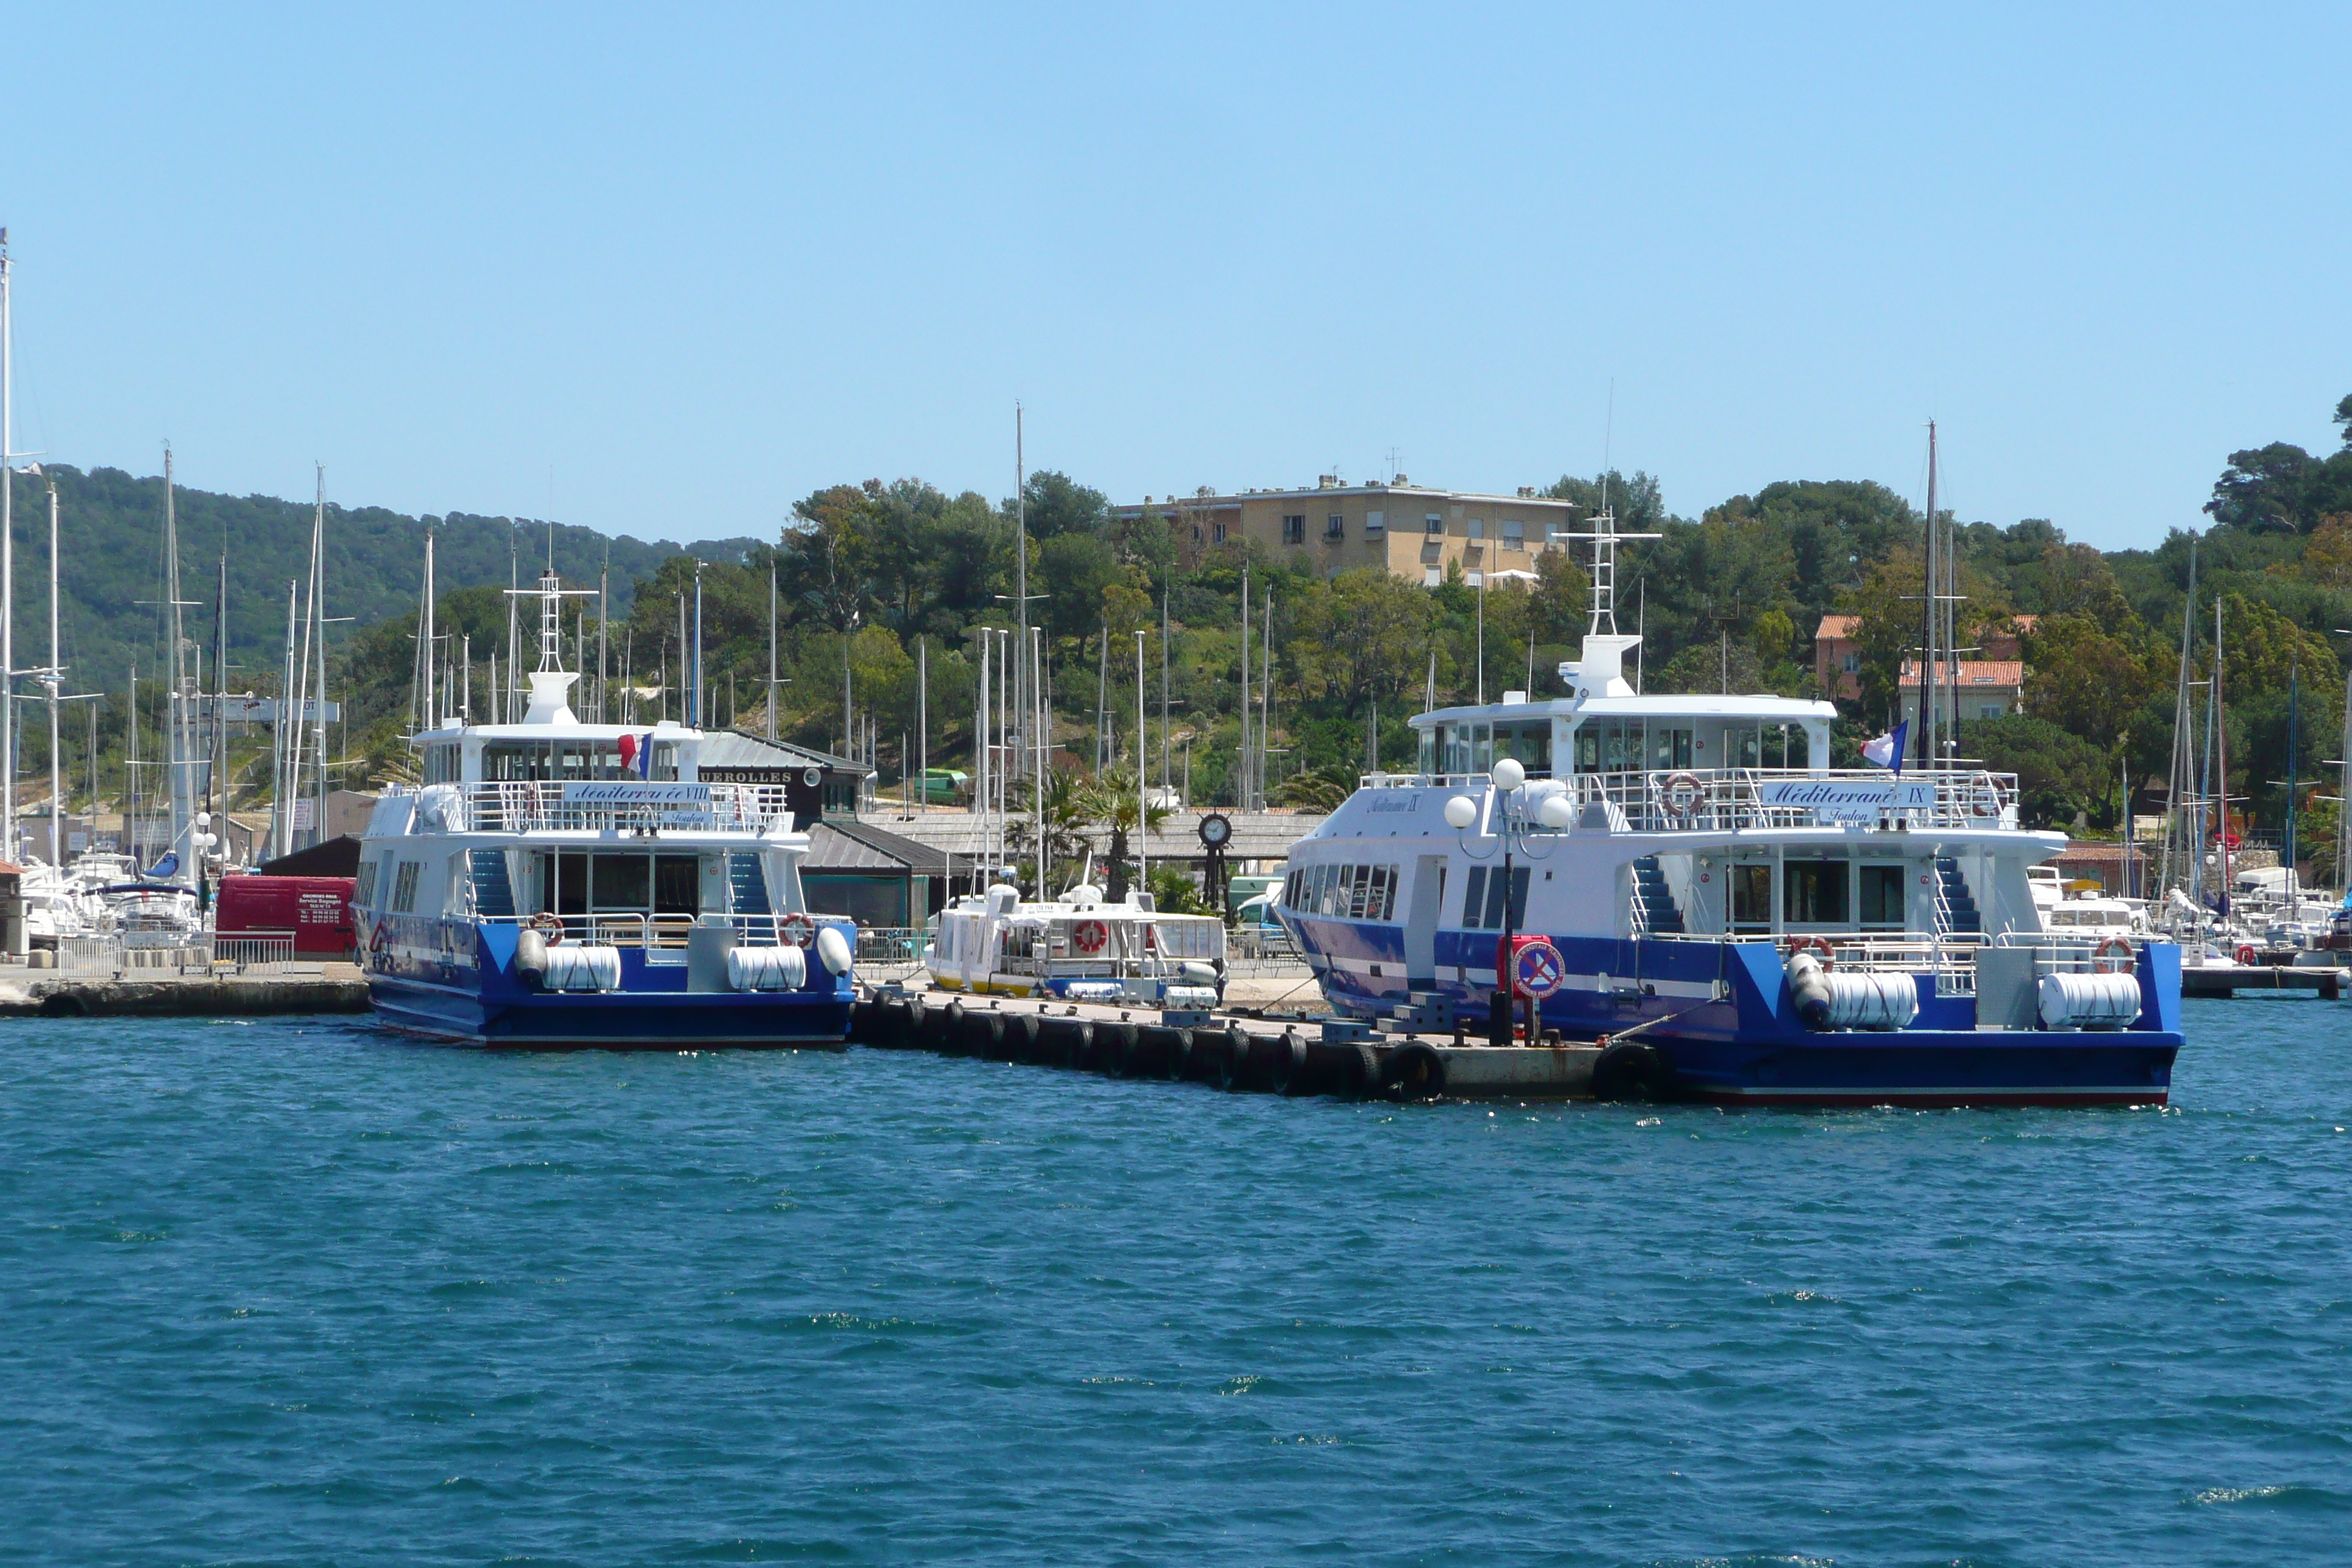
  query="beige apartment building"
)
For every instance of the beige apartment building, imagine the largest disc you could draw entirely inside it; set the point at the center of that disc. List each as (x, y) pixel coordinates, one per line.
(1410, 530)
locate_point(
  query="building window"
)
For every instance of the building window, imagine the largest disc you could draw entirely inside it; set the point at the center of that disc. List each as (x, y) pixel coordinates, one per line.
(1434, 523)
(1515, 534)
(1219, 529)
(1376, 523)
(1852, 663)
(1475, 579)
(1294, 528)
(1477, 528)
(1335, 527)
(1432, 576)
(1989, 710)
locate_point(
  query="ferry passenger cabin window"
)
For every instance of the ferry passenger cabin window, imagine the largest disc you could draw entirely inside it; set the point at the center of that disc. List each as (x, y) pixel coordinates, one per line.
(1742, 748)
(1531, 743)
(508, 760)
(441, 763)
(1345, 892)
(1609, 746)
(403, 886)
(1814, 893)
(363, 894)
(1482, 899)
(1751, 898)
(622, 883)
(1670, 748)
(1882, 897)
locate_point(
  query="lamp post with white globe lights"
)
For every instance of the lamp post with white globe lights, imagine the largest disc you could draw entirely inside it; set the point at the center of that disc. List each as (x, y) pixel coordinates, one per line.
(1511, 824)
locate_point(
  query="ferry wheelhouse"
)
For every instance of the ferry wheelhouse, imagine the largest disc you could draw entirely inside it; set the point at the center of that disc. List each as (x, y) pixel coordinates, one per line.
(1737, 920)
(556, 883)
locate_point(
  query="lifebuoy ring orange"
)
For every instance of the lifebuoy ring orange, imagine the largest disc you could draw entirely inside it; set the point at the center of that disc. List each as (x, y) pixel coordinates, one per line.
(2246, 953)
(1820, 944)
(1682, 793)
(798, 929)
(548, 925)
(1089, 936)
(2115, 946)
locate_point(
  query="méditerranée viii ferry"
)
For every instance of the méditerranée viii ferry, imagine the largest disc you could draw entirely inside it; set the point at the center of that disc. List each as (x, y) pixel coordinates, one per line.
(557, 883)
(1733, 931)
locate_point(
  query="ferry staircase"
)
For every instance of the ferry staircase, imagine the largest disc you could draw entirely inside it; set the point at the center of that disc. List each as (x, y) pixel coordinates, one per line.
(1655, 912)
(748, 888)
(1956, 907)
(493, 893)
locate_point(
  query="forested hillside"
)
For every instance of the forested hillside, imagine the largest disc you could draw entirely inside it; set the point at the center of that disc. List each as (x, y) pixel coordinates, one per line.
(867, 572)
(111, 527)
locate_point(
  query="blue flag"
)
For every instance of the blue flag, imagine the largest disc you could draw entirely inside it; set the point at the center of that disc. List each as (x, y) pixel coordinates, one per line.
(1887, 749)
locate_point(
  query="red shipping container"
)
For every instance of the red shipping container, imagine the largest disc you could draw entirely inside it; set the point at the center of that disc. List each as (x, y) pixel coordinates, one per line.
(317, 910)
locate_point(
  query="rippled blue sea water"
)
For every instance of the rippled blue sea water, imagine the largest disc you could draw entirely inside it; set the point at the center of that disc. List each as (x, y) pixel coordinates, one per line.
(303, 1292)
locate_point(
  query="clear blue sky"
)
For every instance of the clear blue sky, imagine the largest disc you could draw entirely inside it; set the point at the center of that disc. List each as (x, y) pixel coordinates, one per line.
(664, 270)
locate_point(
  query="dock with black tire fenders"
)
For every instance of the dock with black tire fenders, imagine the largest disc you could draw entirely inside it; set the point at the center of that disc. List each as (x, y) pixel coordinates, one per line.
(323, 988)
(2325, 981)
(1240, 1054)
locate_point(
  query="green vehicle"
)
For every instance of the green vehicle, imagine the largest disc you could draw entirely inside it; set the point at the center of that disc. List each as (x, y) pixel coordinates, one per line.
(943, 786)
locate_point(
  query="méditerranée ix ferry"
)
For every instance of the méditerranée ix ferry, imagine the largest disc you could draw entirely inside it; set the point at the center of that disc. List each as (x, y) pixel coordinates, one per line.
(1730, 931)
(557, 883)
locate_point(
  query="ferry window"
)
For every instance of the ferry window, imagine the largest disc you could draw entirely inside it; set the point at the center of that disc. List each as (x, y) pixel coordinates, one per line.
(624, 882)
(1359, 882)
(1751, 898)
(403, 886)
(1670, 748)
(1382, 895)
(1814, 892)
(363, 895)
(1882, 896)
(677, 883)
(1482, 748)
(571, 884)
(440, 763)
(1531, 743)
(1474, 898)
(1743, 748)
(1609, 746)
(1428, 764)
(1482, 900)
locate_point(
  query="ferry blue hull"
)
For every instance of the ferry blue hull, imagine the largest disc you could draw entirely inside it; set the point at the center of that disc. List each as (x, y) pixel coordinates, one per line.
(422, 979)
(1721, 1016)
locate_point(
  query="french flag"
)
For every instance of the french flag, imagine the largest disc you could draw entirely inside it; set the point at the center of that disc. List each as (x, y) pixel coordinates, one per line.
(637, 755)
(1887, 749)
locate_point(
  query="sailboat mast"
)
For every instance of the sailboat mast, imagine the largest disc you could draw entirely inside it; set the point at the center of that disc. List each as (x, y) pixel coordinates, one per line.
(56, 773)
(319, 611)
(7, 556)
(176, 761)
(2183, 765)
(1928, 641)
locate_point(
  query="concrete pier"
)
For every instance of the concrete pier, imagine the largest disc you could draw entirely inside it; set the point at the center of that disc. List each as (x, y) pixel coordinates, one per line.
(51, 994)
(2229, 979)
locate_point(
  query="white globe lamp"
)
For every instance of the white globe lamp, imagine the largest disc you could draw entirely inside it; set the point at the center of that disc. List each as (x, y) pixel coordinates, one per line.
(1556, 813)
(1461, 812)
(1508, 775)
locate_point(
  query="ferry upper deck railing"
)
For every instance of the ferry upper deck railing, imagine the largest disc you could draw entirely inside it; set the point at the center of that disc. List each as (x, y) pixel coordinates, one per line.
(1670, 800)
(554, 806)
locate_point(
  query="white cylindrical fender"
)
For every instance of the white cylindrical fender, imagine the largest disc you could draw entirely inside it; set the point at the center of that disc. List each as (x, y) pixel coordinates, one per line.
(577, 966)
(779, 968)
(2090, 1001)
(530, 952)
(834, 948)
(1872, 1001)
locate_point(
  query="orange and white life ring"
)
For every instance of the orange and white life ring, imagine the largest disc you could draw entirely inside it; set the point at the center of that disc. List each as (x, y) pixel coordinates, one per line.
(549, 925)
(2104, 957)
(1820, 944)
(797, 929)
(1089, 936)
(2246, 953)
(1682, 793)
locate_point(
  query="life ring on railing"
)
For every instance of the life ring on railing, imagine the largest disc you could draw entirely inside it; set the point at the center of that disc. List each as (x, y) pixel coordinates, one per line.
(2246, 953)
(1089, 936)
(1984, 796)
(2116, 946)
(796, 928)
(1681, 793)
(1820, 944)
(549, 925)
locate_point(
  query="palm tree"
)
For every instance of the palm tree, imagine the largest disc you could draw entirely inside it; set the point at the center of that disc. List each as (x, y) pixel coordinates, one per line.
(1069, 814)
(1113, 801)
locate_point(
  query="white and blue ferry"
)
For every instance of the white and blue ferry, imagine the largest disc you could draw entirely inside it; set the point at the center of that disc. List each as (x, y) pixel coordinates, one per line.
(556, 883)
(1735, 927)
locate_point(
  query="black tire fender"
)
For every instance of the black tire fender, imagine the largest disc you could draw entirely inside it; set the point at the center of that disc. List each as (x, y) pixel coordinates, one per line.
(1286, 1057)
(1415, 1071)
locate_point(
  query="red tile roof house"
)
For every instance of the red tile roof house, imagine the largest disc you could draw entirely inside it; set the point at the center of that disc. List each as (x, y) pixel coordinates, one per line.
(1992, 685)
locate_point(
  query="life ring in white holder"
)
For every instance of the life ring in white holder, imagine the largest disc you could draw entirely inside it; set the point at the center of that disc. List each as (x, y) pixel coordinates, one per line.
(1681, 793)
(2114, 955)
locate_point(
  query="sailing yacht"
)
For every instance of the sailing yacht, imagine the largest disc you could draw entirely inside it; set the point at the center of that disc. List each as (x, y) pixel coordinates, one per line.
(551, 882)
